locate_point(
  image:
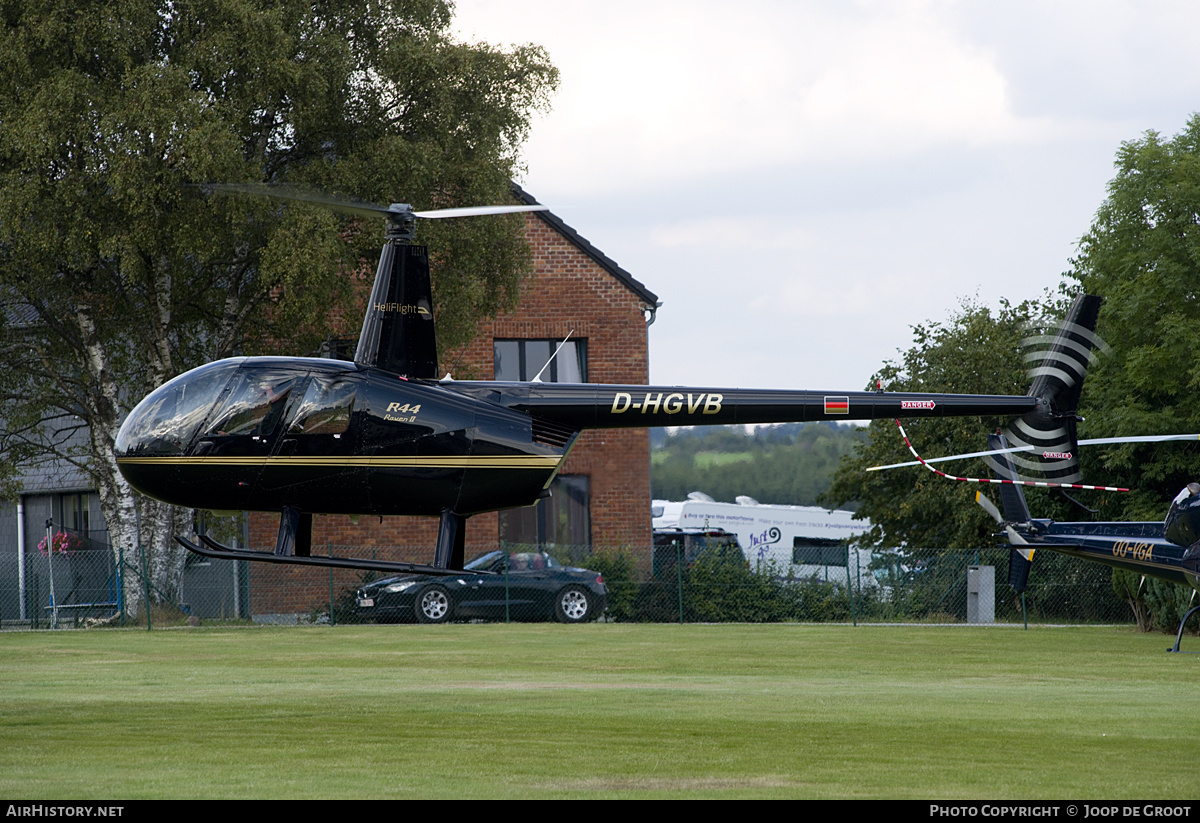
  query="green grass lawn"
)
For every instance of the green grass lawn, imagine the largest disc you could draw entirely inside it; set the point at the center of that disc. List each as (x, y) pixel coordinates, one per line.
(597, 711)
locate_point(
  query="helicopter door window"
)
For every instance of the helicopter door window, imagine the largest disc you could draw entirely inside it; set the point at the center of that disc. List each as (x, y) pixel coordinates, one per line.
(254, 407)
(325, 409)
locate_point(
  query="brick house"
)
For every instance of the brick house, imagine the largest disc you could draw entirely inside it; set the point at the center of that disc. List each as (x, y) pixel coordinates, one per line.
(601, 497)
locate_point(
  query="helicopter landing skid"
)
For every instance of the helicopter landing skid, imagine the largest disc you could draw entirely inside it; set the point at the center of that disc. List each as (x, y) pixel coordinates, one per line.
(215, 550)
(1179, 634)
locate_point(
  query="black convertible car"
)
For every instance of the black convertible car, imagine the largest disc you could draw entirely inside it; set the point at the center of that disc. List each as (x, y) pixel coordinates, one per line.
(520, 586)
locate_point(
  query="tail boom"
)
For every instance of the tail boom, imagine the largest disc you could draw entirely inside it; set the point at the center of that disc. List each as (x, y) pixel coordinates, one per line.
(587, 406)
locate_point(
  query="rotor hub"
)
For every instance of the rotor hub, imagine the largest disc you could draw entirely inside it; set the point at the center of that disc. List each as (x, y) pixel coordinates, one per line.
(401, 222)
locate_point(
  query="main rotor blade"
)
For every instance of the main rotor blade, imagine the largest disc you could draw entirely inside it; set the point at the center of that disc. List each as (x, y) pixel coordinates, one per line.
(361, 208)
(474, 211)
(343, 204)
(1095, 441)
(997, 480)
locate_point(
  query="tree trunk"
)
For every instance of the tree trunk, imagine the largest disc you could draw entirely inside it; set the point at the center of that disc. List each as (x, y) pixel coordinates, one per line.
(133, 523)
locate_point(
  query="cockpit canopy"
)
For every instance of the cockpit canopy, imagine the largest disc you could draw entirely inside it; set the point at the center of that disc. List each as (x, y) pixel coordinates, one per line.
(223, 400)
(167, 419)
(1182, 525)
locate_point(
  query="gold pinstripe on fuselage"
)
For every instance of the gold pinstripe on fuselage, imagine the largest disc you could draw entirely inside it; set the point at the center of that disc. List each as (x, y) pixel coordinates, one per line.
(515, 461)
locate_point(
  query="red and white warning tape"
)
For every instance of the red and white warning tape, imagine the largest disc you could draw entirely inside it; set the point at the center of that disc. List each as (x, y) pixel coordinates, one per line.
(998, 481)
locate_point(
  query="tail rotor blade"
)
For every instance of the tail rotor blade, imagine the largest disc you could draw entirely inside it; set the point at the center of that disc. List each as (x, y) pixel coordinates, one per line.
(989, 507)
(1018, 570)
(1016, 539)
(1092, 441)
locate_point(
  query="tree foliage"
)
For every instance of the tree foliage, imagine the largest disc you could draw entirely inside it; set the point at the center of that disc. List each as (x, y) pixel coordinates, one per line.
(118, 270)
(788, 464)
(1142, 255)
(974, 352)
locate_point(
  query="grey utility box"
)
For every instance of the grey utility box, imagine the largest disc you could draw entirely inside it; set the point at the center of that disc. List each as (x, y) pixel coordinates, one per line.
(981, 594)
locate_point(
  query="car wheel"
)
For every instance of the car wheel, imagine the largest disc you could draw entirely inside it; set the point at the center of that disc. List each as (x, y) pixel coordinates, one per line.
(434, 605)
(573, 605)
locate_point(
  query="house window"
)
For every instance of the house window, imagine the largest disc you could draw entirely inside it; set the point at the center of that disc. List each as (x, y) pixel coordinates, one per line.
(522, 360)
(562, 519)
(75, 512)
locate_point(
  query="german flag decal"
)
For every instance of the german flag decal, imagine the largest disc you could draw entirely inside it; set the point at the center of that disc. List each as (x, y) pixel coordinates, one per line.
(837, 405)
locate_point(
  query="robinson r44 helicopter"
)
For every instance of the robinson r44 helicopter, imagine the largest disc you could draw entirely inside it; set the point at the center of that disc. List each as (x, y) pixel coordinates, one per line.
(384, 436)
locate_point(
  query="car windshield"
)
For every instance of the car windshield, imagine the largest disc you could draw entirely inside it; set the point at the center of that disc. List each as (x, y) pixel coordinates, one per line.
(518, 562)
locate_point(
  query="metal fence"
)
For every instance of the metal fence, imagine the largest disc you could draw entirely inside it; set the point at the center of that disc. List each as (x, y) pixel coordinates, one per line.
(64, 586)
(84, 587)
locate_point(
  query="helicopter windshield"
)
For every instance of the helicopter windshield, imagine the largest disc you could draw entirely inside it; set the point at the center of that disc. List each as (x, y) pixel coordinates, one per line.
(167, 419)
(1182, 524)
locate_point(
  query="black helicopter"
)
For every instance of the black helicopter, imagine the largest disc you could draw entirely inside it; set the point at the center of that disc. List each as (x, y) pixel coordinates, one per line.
(384, 436)
(1168, 550)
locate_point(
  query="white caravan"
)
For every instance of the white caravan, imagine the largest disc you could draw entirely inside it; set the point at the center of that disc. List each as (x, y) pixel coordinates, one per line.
(800, 541)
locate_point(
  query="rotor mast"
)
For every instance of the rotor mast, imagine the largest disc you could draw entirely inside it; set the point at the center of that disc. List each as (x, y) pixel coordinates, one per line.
(398, 330)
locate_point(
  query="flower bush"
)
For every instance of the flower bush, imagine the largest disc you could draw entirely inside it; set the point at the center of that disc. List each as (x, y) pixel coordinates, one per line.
(62, 543)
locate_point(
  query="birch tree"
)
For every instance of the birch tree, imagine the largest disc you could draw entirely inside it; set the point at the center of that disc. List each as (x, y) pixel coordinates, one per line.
(119, 271)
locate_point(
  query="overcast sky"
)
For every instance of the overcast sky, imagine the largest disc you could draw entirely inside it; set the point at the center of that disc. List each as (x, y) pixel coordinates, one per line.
(801, 182)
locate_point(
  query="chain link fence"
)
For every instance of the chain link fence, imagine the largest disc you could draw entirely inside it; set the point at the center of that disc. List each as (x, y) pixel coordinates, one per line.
(82, 585)
(71, 579)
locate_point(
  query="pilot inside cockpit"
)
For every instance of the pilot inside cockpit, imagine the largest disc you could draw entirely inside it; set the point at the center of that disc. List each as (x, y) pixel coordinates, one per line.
(254, 407)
